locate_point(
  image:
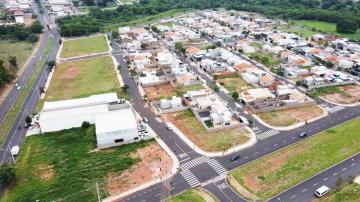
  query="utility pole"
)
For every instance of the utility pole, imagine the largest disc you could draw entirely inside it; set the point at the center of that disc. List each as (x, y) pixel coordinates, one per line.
(97, 192)
(166, 188)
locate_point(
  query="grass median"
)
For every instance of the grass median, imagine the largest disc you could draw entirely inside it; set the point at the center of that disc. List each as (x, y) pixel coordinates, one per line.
(16, 106)
(270, 175)
(194, 195)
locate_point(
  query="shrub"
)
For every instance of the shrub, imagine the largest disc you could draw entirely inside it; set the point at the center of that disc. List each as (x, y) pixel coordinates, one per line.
(85, 124)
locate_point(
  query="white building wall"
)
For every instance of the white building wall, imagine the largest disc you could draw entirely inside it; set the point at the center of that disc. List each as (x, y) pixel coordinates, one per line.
(106, 140)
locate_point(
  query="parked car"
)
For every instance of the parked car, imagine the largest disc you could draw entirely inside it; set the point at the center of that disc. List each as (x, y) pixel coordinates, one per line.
(234, 158)
(145, 120)
(16, 84)
(243, 119)
(320, 192)
(15, 150)
(19, 87)
(303, 134)
(168, 127)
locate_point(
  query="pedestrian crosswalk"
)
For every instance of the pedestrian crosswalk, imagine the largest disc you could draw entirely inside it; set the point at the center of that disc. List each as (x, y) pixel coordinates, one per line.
(194, 162)
(216, 166)
(222, 186)
(190, 178)
(183, 155)
(334, 109)
(267, 134)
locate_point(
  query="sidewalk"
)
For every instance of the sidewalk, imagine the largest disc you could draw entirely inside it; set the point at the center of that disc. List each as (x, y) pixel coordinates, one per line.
(249, 143)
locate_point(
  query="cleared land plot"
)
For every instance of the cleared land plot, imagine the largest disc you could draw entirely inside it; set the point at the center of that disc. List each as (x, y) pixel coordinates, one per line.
(302, 32)
(327, 28)
(64, 166)
(348, 94)
(347, 193)
(297, 162)
(84, 46)
(180, 91)
(221, 140)
(159, 92)
(193, 195)
(83, 78)
(287, 117)
(154, 164)
(20, 49)
(234, 83)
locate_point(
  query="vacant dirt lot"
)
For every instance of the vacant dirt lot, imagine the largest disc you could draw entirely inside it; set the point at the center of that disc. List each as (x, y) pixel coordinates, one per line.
(351, 95)
(154, 163)
(287, 117)
(159, 92)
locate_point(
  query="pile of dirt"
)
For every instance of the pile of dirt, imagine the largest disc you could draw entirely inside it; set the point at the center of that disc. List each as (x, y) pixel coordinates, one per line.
(70, 73)
(154, 164)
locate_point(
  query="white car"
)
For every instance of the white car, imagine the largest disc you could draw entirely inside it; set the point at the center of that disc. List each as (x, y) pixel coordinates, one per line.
(16, 84)
(15, 150)
(321, 191)
(19, 88)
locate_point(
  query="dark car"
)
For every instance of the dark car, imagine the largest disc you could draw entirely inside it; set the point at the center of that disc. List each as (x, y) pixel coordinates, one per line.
(234, 158)
(303, 134)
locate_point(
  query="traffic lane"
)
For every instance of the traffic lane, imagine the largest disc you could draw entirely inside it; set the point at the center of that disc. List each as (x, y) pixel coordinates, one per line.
(305, 190)
(228, 191)
(276, 142)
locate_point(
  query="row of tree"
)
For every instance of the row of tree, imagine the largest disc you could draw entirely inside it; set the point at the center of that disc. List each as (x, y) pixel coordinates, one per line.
(21, 33)
(286, 9)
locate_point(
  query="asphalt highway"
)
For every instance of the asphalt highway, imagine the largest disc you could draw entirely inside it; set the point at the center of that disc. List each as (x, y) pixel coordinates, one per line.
(16, 135)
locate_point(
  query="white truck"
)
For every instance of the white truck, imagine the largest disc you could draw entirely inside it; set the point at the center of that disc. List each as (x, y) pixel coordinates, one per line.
(15, 150)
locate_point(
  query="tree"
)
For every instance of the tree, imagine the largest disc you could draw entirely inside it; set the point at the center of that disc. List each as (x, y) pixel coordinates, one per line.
(125, 88)
(346, 26)
(265, 60)
(218, 44)
(85, 124)
(7, 174)
(36, 27)
(235, 95)
(51, 64)
(115, 34)
(33, 38)
(28, 120)
(144, 45)
(13, 62)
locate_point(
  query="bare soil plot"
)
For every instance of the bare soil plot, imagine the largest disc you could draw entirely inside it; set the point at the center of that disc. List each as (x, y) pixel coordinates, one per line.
(84, 46)
(350, 95)
(154, 164)
(159, 92)
(222, 140)
(287, 117)
(83, 78)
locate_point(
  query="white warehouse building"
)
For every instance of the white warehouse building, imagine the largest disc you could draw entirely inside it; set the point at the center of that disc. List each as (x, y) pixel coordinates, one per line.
(115, 122)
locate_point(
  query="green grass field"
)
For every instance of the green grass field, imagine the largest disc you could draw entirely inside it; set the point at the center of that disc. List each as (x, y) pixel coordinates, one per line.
(302, 32)
(180, 91)
(347, 193)
(324, 27)
(297, 162)
(62, 166)
(234, 83)
(212, 142)
(83, 78)
(20, 49)
(84, 46)
(146, 20)
(16, 106)
(190, 196)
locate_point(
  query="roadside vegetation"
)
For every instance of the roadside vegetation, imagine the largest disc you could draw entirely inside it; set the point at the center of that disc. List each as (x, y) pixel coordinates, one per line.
(218, 141)
(84, 46)
(16, 106)
(193, 195)
(64, 166)
(297, 162)
(83, 78)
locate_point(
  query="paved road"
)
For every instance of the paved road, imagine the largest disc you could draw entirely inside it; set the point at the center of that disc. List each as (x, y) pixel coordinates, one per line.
(191, 173)
(15, 135)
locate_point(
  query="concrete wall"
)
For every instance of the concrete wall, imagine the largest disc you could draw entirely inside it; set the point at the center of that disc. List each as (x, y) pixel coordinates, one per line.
(330, 84)
(275, 108)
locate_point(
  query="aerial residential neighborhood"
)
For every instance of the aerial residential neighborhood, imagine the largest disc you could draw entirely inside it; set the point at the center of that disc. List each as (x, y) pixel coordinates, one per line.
(179, 101)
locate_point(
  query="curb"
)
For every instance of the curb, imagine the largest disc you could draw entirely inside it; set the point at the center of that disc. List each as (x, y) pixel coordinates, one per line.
(192, 145)
(344, 105)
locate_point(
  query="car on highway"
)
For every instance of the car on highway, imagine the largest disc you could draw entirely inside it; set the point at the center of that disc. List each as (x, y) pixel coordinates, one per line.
(168, 127)
(19, 87)
(234, 158)
(303, 134)
(16, 84)
(145, 120)
(321, 191)
(15, 150)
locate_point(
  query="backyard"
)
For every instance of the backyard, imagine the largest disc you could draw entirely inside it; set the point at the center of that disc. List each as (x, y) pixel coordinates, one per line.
(64, 166)
(83, 78)
(193, 195)
(234, 83)
(288, 117)
(297, 162)
(84, 46)
(221, 140)
(324, 27)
